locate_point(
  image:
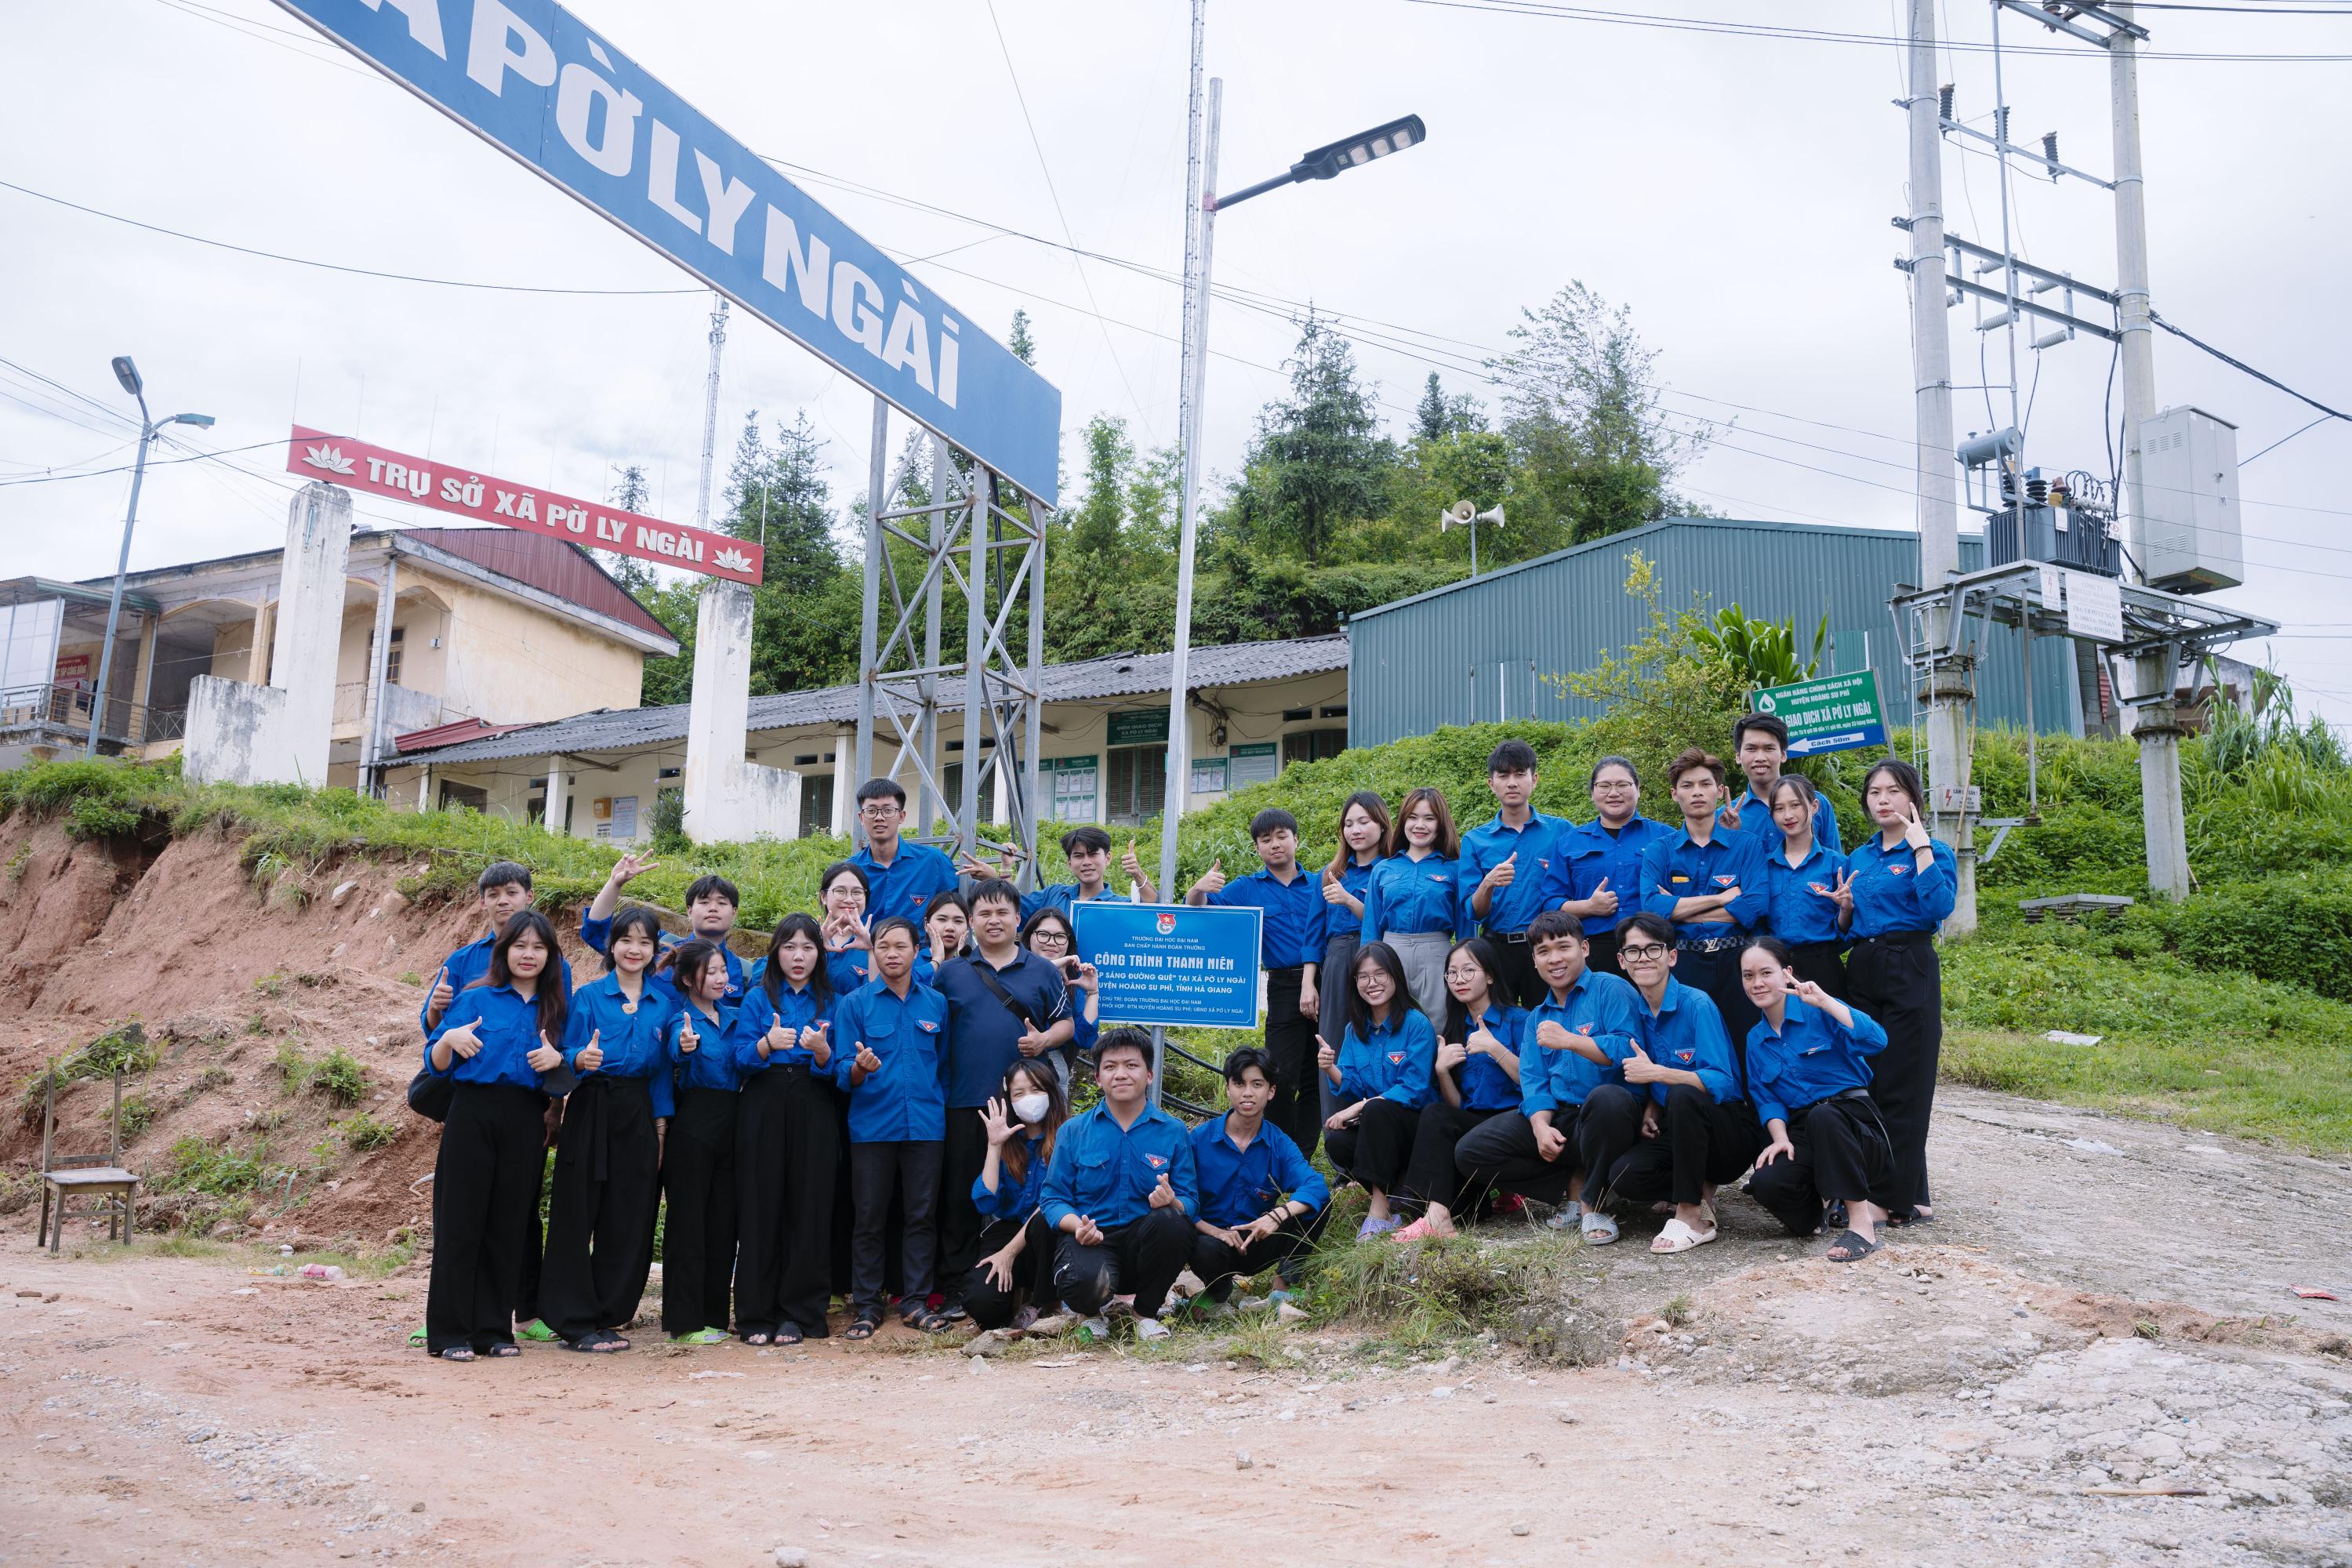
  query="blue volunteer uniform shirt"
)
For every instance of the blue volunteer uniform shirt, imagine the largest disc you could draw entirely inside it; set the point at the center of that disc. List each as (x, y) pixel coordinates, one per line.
(596, 933)
(1292, 931)
(507, 1026)
(1892, 895)
(1686, 1034)
(983, 1033)
(795, 1010)
(633, 1042)
(1588, 855)
(718, 1044)
(1490, 844)
(1484, 1086)
(915, 875)
(1396, 1063)
(1755, 816)
(1062, 897)
(1603, 1007)
(1415, 898)
(1809, 1057)
(1107, 1171)
(848, 970)
(906, 1100)
(1239, 1184)
(1793, 912)
(1678, 867)
(1012, 1199)
(469, 963)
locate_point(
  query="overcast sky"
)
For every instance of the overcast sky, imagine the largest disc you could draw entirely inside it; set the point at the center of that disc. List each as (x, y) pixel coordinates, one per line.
(1733, 191)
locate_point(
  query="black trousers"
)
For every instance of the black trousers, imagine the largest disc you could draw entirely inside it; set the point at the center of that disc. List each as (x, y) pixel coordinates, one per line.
(1296, 1107)
(1717, 975)
(699, 1182)
(527, 1287)
(1374, 1150)
(606, 1193)
(1842, 1154)
(1519, 985)
(1603, 959)
(1338, 964)
(1218, 1264)
(1143, 1258)
(787, 1160)
(485, 1182)
(1698, 1142)
(991, 1306)
(909, 1172)
(1899, 981)
(965, 1151)
(1824, 963)
(1429, 1172)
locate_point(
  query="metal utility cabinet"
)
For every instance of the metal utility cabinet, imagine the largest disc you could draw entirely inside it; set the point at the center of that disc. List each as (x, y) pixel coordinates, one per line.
(2188, 470)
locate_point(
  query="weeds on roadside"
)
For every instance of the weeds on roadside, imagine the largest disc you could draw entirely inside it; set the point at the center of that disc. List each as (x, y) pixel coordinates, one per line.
(364, 1133)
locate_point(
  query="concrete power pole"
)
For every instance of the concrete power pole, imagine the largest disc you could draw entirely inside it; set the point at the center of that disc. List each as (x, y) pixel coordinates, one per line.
(710, 411)
(1945, 680)
(2156, 722)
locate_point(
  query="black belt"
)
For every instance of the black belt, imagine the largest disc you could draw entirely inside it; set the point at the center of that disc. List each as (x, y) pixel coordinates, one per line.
(1830, 1099)
(1295, 971)
(1898, 939)
(1517, 936)
(1708, 943)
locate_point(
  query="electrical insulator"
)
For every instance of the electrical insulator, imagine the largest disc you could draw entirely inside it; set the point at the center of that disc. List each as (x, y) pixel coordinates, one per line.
(2000, 124)
(1944, 99)
(2050, 146)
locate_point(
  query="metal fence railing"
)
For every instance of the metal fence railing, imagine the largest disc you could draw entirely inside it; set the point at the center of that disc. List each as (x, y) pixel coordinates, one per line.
(68, 709)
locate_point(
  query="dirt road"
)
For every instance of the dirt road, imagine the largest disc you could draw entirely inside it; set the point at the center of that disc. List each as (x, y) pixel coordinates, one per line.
(2090, 1314)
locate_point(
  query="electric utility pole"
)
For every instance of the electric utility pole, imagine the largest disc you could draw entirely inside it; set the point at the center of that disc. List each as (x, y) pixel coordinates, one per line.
(1945, 677)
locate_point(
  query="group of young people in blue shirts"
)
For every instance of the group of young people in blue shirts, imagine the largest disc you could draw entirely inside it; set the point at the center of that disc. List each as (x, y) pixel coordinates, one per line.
(881, 1108)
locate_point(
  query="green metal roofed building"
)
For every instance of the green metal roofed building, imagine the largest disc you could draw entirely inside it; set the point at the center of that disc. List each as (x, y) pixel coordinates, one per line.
(1479, 651)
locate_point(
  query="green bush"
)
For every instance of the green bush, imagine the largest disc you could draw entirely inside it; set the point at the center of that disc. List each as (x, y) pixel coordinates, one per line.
(364, 1132)
(138, 1113)
(340, 1075)
(212, 1170)
(2296, 928)
(293, 1067)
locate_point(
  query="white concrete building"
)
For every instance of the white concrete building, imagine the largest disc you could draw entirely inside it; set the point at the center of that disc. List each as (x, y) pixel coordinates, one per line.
(1255, 707)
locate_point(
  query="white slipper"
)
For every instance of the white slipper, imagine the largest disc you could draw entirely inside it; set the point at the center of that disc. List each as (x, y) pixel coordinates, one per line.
(1677, 1236)
(1566, 1216)
(1597, 1228)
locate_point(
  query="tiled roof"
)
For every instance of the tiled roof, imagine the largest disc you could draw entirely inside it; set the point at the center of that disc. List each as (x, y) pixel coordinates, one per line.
(1120, 675)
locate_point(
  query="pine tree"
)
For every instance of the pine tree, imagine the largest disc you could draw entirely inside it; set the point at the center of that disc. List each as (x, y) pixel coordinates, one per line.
(1024, 346)
(629, 492)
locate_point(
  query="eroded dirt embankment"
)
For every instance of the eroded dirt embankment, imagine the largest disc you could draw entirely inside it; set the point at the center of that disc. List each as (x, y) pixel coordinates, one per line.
(223, 975)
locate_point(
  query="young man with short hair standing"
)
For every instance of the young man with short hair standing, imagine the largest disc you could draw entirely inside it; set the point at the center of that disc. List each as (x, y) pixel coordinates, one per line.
(1760, 749)
(1507, 863)
(901, 876)
(1290, 948)
(711, 903)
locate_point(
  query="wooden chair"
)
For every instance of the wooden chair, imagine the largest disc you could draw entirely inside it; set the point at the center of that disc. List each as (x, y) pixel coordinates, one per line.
(100, 1177)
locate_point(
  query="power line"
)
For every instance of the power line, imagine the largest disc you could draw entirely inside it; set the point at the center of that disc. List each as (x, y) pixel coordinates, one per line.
(1781, 33)
(1022, 98)
(2259, 375)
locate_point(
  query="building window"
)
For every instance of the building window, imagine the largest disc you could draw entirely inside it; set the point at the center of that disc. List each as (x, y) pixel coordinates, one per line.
(806, 760)
(466, 795)
(817, 806)
(953, 785)
(1293, 715)
(1335, 711)
(1139, 783)
(392, 656)
(1313, 745)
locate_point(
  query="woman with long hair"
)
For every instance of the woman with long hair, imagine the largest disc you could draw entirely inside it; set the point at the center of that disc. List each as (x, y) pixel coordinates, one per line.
(1809, 1073)
(1381, 1070)
(1803, 875)
(1900, 886)
(496, 1038)
(698, 1176)
(787, 1144)
(1596, 869)
(1365, 832)
(606, 1191)
(1413, 901)
(843, 892)
(1477, 1078)
(1049, 935)
(1016, 1244)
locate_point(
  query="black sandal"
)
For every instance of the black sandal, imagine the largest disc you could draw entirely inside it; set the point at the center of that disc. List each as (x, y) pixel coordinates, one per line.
(757, 1337)
(598, 1341)
(927, 1321)
(1857, 1248)
(789, 1334)
(501, 1352)
(454, 1353)
(861, 1328)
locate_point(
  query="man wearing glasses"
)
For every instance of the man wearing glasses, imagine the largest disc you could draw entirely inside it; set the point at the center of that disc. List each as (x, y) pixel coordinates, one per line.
(900, 878)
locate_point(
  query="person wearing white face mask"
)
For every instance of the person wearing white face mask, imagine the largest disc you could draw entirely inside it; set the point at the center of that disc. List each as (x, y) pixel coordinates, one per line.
(1016, 1247)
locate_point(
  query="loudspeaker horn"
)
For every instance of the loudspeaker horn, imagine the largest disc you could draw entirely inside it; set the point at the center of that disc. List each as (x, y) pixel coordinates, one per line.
(1458, 515)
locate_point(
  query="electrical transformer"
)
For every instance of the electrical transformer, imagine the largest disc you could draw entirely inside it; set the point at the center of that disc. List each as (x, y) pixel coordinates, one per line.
(2188, 475)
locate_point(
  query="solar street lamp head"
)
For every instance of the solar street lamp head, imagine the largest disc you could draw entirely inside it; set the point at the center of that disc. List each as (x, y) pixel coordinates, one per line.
(1329, 162)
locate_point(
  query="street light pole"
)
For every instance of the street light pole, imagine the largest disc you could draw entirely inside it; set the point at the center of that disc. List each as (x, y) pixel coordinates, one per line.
(128, 374)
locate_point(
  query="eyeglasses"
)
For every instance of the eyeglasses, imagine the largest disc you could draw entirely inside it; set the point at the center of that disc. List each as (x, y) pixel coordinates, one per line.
(1650, 954)
(1049, 939)
(881, 808)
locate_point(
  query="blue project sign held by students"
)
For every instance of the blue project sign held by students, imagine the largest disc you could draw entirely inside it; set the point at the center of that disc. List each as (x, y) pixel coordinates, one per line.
(532, 78)
(1171, 964)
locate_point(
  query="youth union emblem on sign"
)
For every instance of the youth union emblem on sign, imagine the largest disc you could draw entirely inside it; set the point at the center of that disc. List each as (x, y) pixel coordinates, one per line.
(1166, 925)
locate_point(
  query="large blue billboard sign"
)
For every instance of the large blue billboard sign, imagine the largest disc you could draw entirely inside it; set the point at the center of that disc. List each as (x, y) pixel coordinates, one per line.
(1170, 964)
(531, 77)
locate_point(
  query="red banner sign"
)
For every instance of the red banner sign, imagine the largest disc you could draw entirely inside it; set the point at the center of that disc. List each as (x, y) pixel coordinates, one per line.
(398, 476)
